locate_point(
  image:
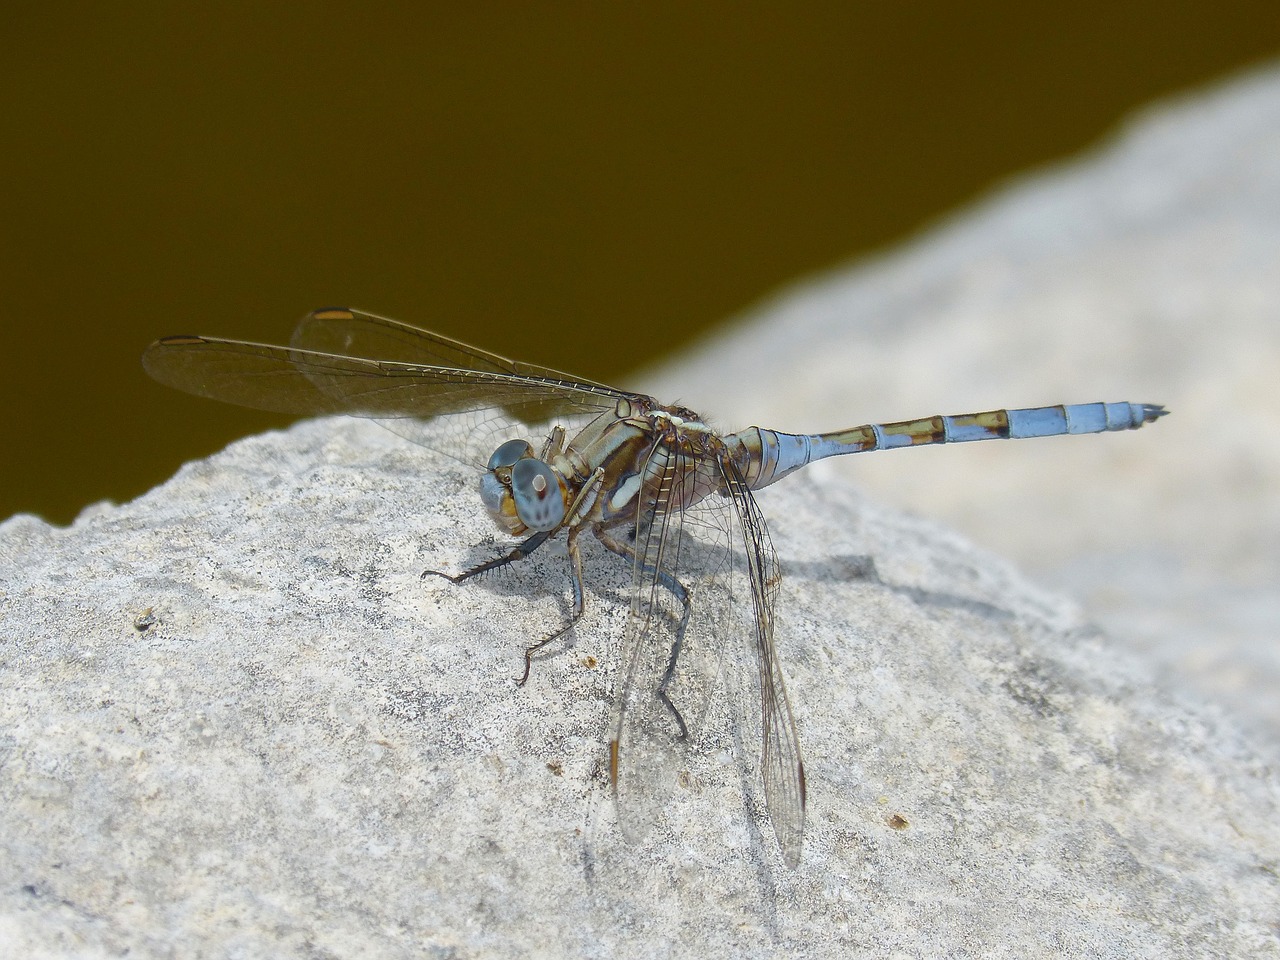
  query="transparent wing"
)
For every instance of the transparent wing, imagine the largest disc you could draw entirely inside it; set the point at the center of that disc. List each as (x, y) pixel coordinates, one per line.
(438, 392)
(355, 333)
(697, 597)
(651, 716)
(780, 761)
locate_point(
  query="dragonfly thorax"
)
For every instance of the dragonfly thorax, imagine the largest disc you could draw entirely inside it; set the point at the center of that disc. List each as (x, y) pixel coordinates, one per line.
(521, 492)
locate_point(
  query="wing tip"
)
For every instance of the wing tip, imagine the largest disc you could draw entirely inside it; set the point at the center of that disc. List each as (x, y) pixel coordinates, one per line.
(178, 340)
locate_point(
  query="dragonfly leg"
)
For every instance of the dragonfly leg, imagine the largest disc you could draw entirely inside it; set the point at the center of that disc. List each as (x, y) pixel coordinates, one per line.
(669, 673)
(681, 593)
(521, 551)
(579, 605)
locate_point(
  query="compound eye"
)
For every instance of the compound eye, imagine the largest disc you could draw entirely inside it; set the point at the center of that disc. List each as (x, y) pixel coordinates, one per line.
(536, 488)
(507, 454)
(493, 494)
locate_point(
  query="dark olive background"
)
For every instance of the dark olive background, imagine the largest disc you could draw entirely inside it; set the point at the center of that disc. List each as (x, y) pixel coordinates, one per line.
(587, 186)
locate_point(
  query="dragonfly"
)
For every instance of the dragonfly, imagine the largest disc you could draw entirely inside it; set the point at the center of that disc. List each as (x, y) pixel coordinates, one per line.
(652, 483)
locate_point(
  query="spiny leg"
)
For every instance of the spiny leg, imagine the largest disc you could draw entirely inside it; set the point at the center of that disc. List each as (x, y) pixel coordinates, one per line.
(681, 593)
(522, 550)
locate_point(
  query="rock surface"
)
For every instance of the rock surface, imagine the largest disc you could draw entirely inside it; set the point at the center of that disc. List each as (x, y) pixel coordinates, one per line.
(236, 722)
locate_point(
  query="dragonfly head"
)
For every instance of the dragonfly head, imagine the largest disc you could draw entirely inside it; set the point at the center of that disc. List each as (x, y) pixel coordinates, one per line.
(521, 492)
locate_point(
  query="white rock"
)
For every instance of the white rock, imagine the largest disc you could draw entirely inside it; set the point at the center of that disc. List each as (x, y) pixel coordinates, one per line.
(236, 722)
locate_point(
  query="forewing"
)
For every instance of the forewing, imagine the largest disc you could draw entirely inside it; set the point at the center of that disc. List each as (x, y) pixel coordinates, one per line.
(651, 718)
(457, 410)
(725, 628)
(780, 761)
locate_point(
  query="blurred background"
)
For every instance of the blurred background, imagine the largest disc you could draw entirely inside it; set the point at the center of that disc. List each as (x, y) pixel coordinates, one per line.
(589, 186)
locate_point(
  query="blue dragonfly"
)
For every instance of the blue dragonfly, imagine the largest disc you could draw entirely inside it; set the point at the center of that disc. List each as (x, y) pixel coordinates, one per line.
(652, 483)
